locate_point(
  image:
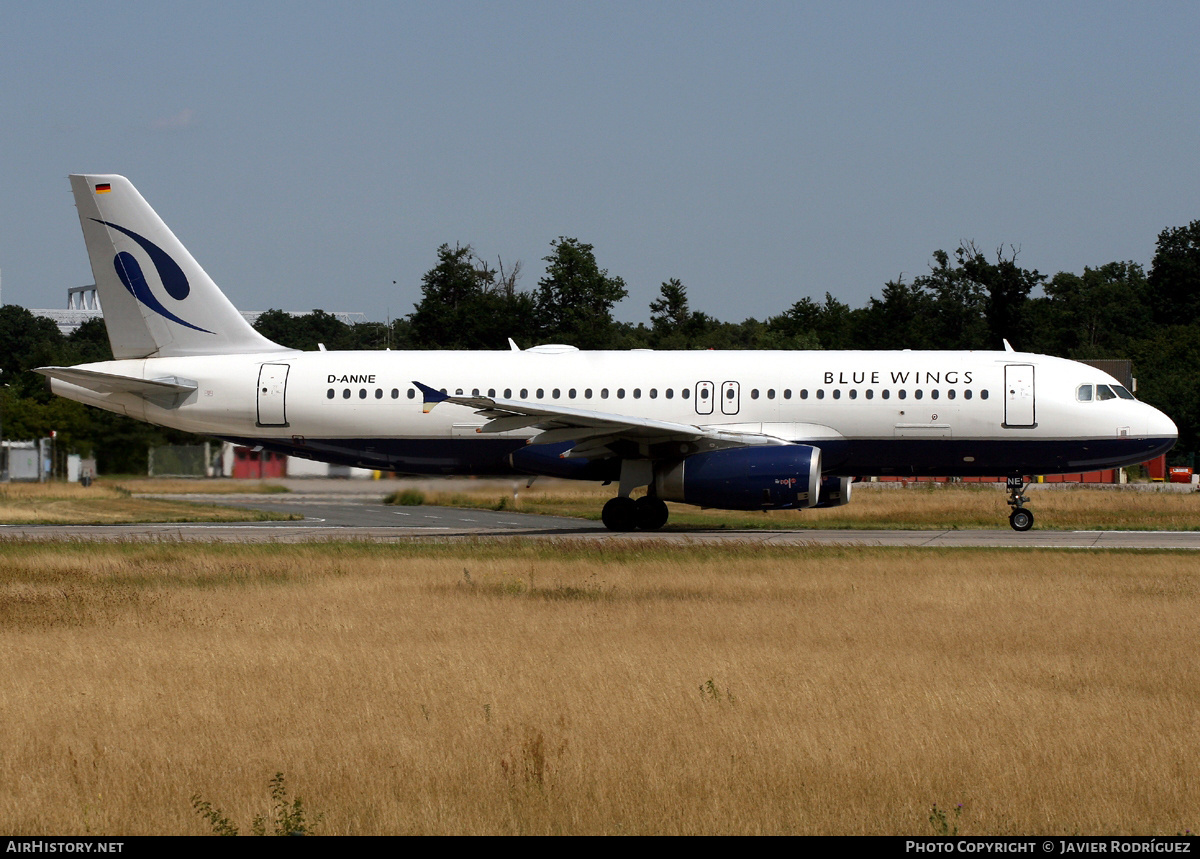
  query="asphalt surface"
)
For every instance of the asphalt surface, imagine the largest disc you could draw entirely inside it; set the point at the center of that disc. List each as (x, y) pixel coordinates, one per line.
(352, 510)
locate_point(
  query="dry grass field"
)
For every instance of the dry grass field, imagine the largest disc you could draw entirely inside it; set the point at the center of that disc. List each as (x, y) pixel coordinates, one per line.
(104, 504)
(505, 687)
(921, 506)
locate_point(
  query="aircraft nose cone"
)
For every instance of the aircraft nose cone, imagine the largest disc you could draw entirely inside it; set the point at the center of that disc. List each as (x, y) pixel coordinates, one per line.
(1159, 425)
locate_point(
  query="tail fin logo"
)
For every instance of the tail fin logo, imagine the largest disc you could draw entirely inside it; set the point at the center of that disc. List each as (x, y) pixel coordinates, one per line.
(173, 279)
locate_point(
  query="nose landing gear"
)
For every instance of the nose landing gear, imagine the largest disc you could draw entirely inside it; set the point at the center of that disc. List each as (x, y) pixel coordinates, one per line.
(1020, 519)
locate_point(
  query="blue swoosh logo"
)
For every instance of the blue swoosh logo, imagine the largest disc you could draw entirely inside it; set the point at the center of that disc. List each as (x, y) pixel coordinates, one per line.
(131, 275)
(173, 279)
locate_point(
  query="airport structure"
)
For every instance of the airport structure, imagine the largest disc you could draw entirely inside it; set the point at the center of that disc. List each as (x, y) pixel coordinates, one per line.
(83, 303)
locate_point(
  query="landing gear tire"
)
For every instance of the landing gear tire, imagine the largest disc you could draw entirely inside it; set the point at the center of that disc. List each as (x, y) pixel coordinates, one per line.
(1021, 519)
(650, 513)
(620, 514)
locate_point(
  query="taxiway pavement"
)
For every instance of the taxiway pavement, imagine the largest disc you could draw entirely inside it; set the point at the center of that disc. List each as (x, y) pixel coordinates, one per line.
(350, 510)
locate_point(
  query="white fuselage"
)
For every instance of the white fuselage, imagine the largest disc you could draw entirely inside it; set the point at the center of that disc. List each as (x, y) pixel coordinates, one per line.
(870, 412)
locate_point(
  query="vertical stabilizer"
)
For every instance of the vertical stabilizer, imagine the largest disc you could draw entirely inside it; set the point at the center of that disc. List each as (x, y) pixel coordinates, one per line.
(157, 300)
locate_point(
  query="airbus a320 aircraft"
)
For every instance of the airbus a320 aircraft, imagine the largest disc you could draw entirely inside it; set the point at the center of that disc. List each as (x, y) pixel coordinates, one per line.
(730, 430)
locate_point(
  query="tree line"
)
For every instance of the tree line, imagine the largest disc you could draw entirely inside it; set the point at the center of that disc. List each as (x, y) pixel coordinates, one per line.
(968, 299)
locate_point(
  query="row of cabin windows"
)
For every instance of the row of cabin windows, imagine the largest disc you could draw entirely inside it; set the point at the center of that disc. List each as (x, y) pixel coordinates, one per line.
(886, 394)
(730, 393)
(331, 394)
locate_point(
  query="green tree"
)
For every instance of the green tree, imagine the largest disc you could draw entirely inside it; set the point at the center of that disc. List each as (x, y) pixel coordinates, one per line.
(1007, 287)
(1096, 314)
(466, 304)
(810, 325)
(957, 315)
(673, 325)
(1175, 275)
(307, 332)
(899, 319)
(28, 341)
(575, 298)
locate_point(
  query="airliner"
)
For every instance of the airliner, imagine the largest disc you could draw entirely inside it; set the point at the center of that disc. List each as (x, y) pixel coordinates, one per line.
(735, 430)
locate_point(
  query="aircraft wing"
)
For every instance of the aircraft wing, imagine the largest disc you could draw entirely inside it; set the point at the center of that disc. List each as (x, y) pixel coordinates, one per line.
(591, 431)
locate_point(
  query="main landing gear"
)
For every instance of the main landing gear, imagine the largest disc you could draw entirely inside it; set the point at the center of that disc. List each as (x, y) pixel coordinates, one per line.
(1020, 518)
(626, 514)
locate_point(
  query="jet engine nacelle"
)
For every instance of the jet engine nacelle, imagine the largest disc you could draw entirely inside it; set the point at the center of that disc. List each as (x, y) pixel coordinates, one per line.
(774, 477)
(835, 491)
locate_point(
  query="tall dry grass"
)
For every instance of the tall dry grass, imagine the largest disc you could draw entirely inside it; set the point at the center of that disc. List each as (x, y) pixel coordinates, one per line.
(518, 688)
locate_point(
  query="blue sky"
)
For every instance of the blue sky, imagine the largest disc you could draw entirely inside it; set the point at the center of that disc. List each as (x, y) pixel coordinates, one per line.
(310, 154)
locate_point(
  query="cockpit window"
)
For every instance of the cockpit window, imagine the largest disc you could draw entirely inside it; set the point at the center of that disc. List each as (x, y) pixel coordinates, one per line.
(1123, 393)
(1084, 393)
(1104, 392)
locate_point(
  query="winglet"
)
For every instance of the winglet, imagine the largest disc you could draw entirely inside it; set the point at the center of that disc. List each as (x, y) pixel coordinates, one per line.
(1008, 347)
(512, 345)
(430, 396)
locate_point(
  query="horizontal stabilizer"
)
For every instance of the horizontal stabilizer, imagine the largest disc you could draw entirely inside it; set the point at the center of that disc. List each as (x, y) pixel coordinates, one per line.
(112, 383)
